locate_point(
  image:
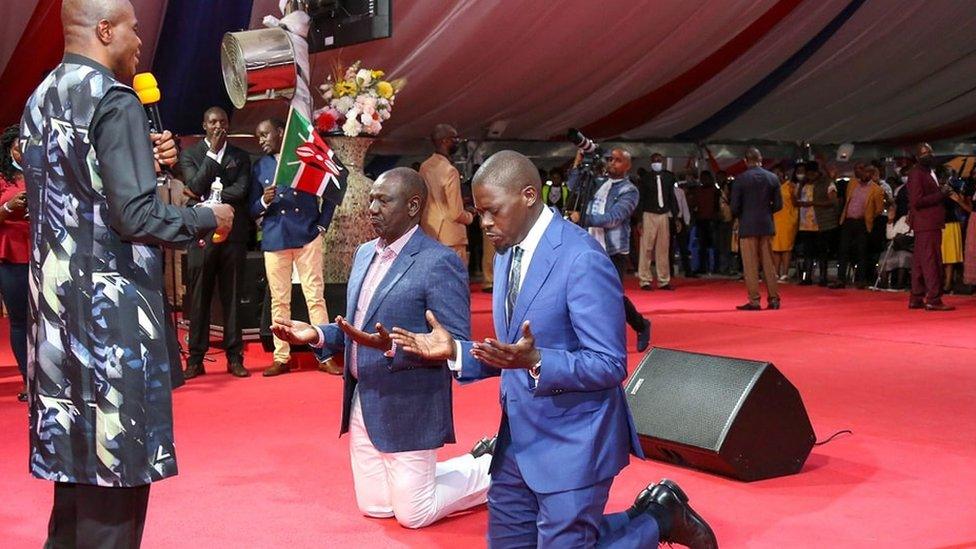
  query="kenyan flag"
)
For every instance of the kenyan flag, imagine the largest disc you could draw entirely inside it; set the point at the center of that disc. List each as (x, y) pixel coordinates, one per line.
(307, 163)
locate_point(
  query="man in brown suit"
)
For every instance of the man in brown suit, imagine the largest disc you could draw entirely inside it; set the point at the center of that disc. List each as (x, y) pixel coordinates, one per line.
(444, 216)
(926, 215)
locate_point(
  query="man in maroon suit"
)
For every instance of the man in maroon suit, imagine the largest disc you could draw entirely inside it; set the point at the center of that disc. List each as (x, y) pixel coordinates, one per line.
(926, 215)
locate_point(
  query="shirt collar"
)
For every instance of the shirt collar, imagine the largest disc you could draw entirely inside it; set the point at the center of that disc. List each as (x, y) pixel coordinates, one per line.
(222, 149)
(78, 59)
(532, 239)
(397, 245)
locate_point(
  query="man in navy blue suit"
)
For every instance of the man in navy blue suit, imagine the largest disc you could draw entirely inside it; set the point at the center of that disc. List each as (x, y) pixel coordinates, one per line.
(396, 406)
(292, 223)
(565, 430)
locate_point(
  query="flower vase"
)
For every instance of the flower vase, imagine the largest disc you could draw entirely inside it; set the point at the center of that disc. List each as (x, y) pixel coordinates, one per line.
(350, 225)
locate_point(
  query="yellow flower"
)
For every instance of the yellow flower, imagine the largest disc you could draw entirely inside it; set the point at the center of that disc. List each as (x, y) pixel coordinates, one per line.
(345, 88)
(384, 89)
(378, 74)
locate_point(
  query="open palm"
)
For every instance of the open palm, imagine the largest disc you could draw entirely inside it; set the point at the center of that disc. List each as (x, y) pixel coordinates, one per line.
(438, 344)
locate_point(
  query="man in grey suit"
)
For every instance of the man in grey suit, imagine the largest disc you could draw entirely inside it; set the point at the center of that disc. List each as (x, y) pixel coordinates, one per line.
(755, 198)
(397, 407)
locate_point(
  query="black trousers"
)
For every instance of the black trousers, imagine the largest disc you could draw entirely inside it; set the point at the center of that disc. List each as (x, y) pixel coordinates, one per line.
(814, 245)
(220, 266)
(634, 319)
(703, 231)
(853, 247)
(90, 517)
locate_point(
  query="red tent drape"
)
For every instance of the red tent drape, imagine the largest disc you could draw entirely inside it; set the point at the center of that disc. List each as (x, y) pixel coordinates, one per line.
(39, 50)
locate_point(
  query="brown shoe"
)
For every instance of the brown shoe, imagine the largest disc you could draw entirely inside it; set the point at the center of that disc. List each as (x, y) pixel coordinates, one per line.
(330, 367)
(939, 307)
(277, 369)
(193, 370)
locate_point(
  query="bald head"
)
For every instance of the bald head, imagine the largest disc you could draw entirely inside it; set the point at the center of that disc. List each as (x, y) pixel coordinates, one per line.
(753, 156)
(508, 170)
(103, 30)
(444, 138)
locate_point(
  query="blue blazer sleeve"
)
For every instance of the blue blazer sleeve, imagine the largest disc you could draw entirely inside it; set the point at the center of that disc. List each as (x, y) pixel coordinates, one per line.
(619, 213)
(335, 341)
(471, 368)
(572, 181)
(449, 297)
(257, 191)
(596, 311)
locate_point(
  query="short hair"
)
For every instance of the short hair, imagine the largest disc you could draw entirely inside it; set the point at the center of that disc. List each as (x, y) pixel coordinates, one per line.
(213, 110)
(7, 139)
(408, 180)
(442, 131)
(275, 122)
(509, 170)
(753, 154)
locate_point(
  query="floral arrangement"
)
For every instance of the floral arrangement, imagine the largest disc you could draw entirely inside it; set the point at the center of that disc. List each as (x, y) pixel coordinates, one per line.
(358, 101)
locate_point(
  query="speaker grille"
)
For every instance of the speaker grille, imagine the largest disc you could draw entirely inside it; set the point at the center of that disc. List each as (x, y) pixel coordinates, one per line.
(695, 396)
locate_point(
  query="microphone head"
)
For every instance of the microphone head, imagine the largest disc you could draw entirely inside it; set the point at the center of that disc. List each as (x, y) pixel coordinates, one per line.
(146, 88)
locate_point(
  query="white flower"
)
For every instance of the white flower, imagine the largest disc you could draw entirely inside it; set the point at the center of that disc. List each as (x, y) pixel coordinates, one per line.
(364, 77)
(352, 127)
(343, 104)
(374, 128)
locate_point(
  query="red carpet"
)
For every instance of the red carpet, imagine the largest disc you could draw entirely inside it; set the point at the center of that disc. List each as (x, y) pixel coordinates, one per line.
(261, 465)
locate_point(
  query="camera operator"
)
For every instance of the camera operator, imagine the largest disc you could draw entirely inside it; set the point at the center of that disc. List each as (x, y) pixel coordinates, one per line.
(607, 218)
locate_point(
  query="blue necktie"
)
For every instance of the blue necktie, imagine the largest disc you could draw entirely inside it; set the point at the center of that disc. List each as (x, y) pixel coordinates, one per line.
(514, 282)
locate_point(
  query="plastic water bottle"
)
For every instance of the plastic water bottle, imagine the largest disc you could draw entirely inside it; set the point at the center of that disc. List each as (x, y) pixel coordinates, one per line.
(215, 189)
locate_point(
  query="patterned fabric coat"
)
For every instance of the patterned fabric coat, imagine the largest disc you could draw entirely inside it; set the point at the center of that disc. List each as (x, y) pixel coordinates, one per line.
(102, 350)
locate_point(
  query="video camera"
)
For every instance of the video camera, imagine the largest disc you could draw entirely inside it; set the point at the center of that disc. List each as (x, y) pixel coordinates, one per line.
(592, 153)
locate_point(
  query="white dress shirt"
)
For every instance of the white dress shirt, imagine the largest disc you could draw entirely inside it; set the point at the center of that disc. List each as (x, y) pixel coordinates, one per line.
(217, 156)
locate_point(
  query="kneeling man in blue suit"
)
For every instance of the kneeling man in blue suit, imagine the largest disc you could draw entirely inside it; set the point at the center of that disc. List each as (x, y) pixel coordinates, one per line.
(397, 406)
(566, 430)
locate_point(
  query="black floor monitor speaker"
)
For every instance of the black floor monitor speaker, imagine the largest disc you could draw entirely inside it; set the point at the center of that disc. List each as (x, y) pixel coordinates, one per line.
(738, 418)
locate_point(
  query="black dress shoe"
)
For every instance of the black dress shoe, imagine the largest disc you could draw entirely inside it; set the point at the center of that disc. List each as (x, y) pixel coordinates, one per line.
(773, 305)
(641, 502)
(749, 307)
(939, 307)
(236, 369)
(193, 370)
(647, 287)
(687, 527)
(916, 305)
(667, 287)
(22, 397)
(484, 446)
(644, 337)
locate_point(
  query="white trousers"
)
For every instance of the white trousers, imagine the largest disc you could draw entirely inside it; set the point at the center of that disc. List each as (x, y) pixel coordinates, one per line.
(412, 486)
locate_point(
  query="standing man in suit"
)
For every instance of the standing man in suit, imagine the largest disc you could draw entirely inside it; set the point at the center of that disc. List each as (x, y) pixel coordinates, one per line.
(102, 353)
(926, 215)
(292, 225)
(755, 198)
(397, 407)
(565, 430)
(217, 264)
(658, 206)
(444, 217)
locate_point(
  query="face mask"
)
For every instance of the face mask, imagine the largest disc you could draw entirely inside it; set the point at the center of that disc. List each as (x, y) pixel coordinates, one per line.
(656, 166)
(16, 165)
(801, 176)
(904, 179)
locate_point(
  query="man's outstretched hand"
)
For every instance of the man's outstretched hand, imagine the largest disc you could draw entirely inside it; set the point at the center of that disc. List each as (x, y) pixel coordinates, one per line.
(380, 340)
(519, 355)
(434, 345)
(294, 331)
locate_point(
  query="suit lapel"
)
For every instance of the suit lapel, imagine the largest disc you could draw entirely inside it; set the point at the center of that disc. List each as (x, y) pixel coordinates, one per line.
(356, 278)
(542, 262)
(402, 263)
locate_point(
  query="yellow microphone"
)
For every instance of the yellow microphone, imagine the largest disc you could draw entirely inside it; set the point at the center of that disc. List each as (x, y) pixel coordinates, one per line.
(147, 89)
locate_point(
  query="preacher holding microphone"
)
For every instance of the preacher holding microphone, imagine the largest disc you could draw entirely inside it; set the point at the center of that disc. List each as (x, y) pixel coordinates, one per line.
(147, 89)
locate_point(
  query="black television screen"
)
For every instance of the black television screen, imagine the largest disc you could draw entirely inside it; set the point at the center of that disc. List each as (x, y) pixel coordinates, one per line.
(338, 23)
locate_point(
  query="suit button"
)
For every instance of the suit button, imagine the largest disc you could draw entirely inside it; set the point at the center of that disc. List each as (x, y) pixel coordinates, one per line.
(282, 212)
(296, 210)
(294, 193)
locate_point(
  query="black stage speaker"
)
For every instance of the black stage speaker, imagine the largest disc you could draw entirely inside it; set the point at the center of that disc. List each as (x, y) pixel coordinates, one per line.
(253, 287)
(335, 302)
(737, 418)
